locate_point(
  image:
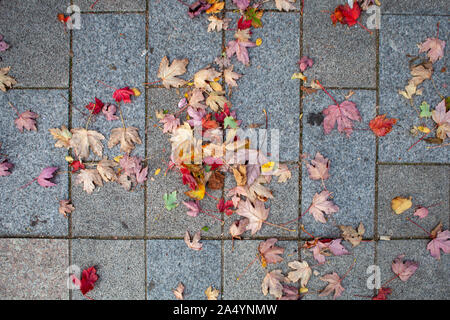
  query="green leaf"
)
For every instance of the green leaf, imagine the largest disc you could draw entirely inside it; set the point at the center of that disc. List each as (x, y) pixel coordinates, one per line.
(170, 200)
(207, 168)
(205, 228)
(425, 110)
(229, 122)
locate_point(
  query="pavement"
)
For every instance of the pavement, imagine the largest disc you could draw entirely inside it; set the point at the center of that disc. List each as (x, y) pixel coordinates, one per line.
(136, 244)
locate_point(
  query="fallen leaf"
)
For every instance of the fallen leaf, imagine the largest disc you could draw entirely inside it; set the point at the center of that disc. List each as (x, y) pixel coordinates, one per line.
(170, 200)
(216, 180)
(304, 63)
(256, 214)
(216, 24)
(434, 48)
(127, 137)
(320, 206)
(343, 114)
(382, 294)
(271, 284)
(346, 14)
(240, 49)
(26, 120)
(109, 111)
(194, 208)
(302, 272)
(404, 269)
(62, 137)
(45, 176)
(89, 178)
(5, 80)
(441, 241)
(351, 235)
(194, 244)
(5, 166)
(285, 5)
(105, 169)
(283, 173)
(65, 207)
(178, 292)
(269, 252)
(334, 284)
(212, 294)
(230, 76)
(442, 118)
(421, 212)
(290, 293)
(238, 227)
(242, 4)
(83, 139)
(425, 110)
(319, 168)
(88, 279)
(381, 126)
(170, 123)
(123, 94)
(197, 194)
(240, 175)
(168, 73)
(202, 77)
(400, 205)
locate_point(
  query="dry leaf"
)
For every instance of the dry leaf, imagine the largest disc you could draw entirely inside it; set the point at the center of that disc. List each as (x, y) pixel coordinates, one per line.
(212, 294)
(256, 214)
(178, 292)
(269, 252)
(62, 137)
(83, 139)
(319, 167)
(89, 178)
(127, 137)
(334, 284)
(105, 169)
(240, 175)
(216, 180)
(5, 80)
(168, 73)
(231, 77)
(194, 244)
(65, 207)
(400, 205)
(351, 235)
(202, 77)
(271, 284)
(302, 272)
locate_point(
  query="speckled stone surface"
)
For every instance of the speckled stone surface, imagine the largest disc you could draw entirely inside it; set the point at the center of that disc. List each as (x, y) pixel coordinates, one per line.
(427, 185)
(33, 269)
(267, 5)
(352, 168)
(120, 267)
(109, 48)
(171, 261)
(111, 5)
(266, 83)
(109, 211)
(32, 210)
(39, 47)
(399, 37)
(417, 7)
(248, 287)
(429, 282)
(355, 283)
(168, 21)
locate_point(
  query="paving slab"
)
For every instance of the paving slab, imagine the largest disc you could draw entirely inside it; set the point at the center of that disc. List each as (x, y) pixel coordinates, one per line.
(120, 267)
(171, 261)
(266, 84)
(109, 48)
(39, 47)
(355, 283)
(283, 207)
(267, 5)
(416, 7)
(352, 168)
(33, 269)
(427, 185)
(111, 5)
(236, 259)
(109, 211)
(338, 51)
(33, 210)
(173, 34)
(429, 282)
(399, 37)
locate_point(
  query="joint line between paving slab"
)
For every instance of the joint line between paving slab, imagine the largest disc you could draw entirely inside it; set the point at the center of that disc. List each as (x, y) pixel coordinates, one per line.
(300, 166)
(375, 212)
(69, 176)
(416, 14)
(39, 88)
(114, 12)
(414, 164)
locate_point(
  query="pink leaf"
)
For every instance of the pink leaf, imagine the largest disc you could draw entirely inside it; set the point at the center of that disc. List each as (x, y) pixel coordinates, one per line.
(337, 248)
(240, 49)
(194, 208)
(45, 175)
(434, 48)
(321, 206)
(4, 167)
(109, 110)
(404, 269)
(141, 176)
(305, 63)
(343, 114)
(170, 123)
(242, 4)
(421, 212)
(440, 242)
(26, 120)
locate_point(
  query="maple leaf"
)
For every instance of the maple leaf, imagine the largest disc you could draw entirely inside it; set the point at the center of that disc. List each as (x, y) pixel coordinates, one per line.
(421, 212)
(216, 7)
(319, 167)
(254, 15)
(194, 208)
(127, 137)
(400, 204)
(434, 48)
(88, 279)
(89, 178)
(178, 292)
(285, 5)
(441, 116)
(283, 173)
(170, 200)
(194, 244)
(65, 207)
(305, 63)
(83, 139)
(238, 227)
(420, 72)
(76, 165)
(198, 8)
(109, 111)
(216, 181)
(404, 269)
(346, 14)
(271, 284)
(197, 194)
(317, 249)
(334, 284)
(231, 77)
(212, 294)
(242, 4)
(105, 169)
(125, 181)
(169, 74)
(382, 294)
(141, 176)
(26, 120)
(96, 107)
(5, 80)
(123, 94)
(218, 24)
(441, 241)
(351, 235)
(256, 214)
(202, 77)
(3, 45)
(425, 110)
(344, 114)
(269, 252)
(302, 272)
(381, 125)
(240, 49)
(62, 137)
(45, 175)
(170, 123)
(290, 293)
(4, 167)
(321, 205)
(216, 101)
(130, 165)
(337, 248)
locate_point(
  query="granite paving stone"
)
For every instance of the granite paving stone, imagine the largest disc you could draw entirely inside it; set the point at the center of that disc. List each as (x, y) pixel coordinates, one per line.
(109, 48)
(427, 185)
(111, 5)
(39, 47)
(352, 168)
(175, 35)
(266, 84)
(109, 211)
(238, 257)
(270, 5)
(120, 267)
(429, 282)
(33, 269)
(171, 261)
(33, 210)
(355, 283)
(399, 37)
(416, 7)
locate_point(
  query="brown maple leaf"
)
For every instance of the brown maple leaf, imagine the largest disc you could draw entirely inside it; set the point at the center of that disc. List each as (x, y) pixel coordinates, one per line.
(168, 73)
(334, 284)
(212, 294)
(351, 235)
(256, 214)
(302, 271)
(321, 206)
(178, 292)
(319, 167)
(204, 76)
(230, 76)
(127, 137)
(89, 178)
(65, 207)
(26, 120)
(83, 139)
(105, 169)
(271, 284)
(5, 80)
(62, 137)
(194, 244)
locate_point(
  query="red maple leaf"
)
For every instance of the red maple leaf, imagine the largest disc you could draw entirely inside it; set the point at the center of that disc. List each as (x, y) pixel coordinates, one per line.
(76, 165)
(88, 278)
(123, 94)
(244, 24)
(223, 206)
(188, 178)
(381, 125)
(346, 15)
(382, 294)
(96, 107)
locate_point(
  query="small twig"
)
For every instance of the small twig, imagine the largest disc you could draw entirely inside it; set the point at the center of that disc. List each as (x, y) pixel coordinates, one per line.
(440, 146)
(278, 226)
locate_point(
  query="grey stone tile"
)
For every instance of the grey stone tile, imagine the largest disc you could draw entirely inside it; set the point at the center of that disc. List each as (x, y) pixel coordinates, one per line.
(32, 210)
(267, 5)
(321, 6)
(169, 37)
(399, 36)
(120, 267)
(352, 169)
(343, 56)
(435, 7)
(266, 83)
(108, 48)
(248, 287)
(108, 211)
(171, 261)
(427, 185)
(39, 47)
(355, 283)
(429, 282)
(283, 207)
(111, 5)
(33, 269)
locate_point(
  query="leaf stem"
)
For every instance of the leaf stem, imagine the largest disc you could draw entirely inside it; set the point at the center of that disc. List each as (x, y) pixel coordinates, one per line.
(362, 26)
(150, 83)
(351, 267)
(246, 268)
(423, 137)
(26, 185)
(278, 226)
(212, 216)
(296, 219)
(15, 109)
(334, 100)
(108, 86)
(429, 234)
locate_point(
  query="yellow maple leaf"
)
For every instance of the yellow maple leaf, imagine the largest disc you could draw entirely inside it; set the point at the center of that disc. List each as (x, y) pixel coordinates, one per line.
(196, 194)
(267, 167)
(216, 7)
(400, 205)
